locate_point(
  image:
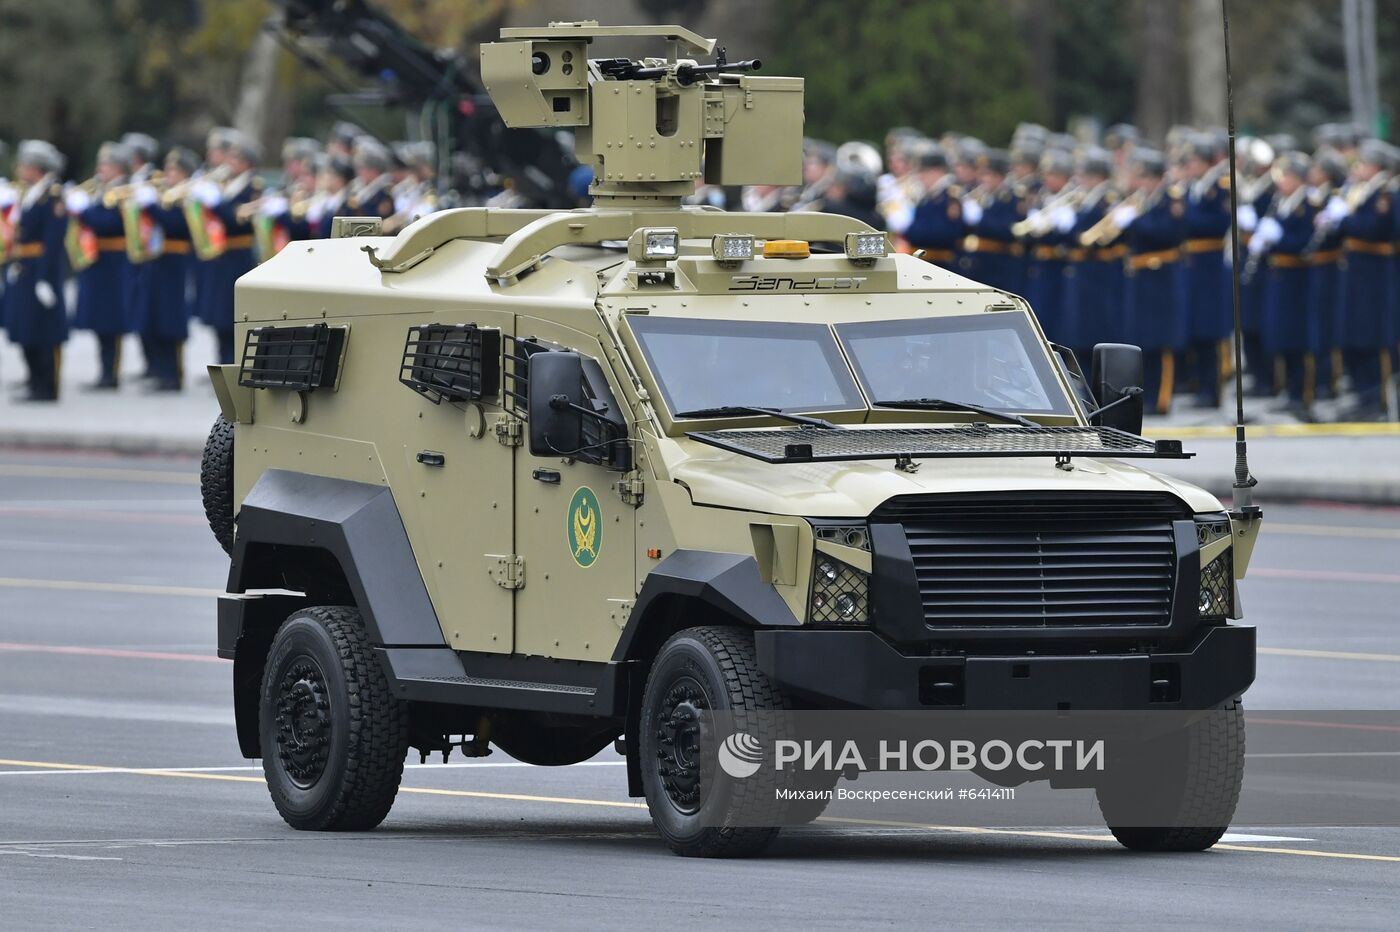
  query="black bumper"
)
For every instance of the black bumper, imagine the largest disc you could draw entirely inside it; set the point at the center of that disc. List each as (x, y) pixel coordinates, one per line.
(858, 669)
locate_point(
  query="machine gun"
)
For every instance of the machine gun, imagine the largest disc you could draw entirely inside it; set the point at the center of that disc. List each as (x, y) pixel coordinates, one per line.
(477, 154)
(687, 73)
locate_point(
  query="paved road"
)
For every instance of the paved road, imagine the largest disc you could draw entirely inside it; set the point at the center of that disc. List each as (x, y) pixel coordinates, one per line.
(123, 800)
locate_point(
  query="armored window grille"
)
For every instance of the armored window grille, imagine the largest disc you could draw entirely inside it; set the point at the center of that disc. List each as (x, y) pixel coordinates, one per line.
(292, 358)
(452, 362)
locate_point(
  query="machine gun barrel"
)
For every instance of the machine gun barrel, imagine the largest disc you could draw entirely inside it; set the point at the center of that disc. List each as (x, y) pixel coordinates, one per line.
(686, 73)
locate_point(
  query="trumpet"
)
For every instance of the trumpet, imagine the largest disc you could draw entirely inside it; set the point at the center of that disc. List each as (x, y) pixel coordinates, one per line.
(1107, 230)
(1042, 224)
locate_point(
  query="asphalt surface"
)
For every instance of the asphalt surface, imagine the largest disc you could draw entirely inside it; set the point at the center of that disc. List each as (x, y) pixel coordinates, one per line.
(107, 578)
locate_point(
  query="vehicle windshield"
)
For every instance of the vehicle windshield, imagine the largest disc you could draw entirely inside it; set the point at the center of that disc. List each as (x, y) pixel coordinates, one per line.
(702, 365)
(990, 360)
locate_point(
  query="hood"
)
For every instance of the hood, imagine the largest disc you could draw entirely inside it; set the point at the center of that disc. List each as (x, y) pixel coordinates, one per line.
(856, 488)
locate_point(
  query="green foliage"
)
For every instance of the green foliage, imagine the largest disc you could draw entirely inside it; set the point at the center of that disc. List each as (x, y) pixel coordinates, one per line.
(1096, 73)
(956, 64)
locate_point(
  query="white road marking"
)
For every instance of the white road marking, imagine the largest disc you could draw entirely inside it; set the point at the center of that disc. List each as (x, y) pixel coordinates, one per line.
(1234, 837)
(255, 768)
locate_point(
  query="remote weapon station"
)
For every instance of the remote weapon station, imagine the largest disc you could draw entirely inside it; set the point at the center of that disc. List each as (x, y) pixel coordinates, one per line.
(557, 481)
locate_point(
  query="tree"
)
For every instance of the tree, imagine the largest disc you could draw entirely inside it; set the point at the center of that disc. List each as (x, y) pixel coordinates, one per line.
(958, 64)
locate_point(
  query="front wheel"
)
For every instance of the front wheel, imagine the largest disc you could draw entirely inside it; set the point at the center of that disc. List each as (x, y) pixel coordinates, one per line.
(1179, 792)
(333, 734)
(699, 811)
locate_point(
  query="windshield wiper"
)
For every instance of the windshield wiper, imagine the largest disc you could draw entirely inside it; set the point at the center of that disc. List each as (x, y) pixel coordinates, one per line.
(942, 404)
(740, 410)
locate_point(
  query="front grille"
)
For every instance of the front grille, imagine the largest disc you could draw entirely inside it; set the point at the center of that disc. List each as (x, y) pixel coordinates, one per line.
(1041, 560)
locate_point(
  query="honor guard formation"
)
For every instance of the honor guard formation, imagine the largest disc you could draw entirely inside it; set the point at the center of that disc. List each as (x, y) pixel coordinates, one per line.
(1110, 240)
(1120, 240)
(150, 243)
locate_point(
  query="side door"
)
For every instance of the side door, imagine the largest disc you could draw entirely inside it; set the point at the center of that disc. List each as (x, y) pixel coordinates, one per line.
(455, 482)
(574, 533)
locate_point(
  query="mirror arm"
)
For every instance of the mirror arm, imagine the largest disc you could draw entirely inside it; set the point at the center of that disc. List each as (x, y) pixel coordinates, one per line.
(1129, 393)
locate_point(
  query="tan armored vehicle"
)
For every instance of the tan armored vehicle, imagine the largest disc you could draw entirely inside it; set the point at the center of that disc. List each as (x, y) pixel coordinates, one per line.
(554, 480)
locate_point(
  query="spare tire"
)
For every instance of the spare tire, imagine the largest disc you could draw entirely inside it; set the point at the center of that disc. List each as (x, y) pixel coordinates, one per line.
(216, 482)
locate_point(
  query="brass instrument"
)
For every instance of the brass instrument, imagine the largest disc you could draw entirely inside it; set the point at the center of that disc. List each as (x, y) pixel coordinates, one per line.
(1041, 225)
(1107, 230)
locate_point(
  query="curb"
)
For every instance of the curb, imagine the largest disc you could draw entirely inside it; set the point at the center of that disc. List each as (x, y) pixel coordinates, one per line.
(125, 444)
(1284, 491)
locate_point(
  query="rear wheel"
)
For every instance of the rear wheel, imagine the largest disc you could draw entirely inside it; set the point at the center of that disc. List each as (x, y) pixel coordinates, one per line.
(699, 811)
(1189, 780)
(333, 735)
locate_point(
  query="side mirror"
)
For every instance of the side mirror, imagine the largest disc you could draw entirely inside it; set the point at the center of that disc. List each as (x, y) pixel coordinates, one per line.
(1117, 384)
(556, 392)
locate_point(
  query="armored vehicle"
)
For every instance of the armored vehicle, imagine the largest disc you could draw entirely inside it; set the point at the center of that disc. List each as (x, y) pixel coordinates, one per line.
(560, 481)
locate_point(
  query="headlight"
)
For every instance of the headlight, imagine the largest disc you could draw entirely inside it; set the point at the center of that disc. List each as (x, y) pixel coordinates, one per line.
(732, 247)
(840, 592)
(1216, 598)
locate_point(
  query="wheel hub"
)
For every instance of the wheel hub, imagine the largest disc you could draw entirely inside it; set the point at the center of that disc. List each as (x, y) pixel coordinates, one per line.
(303, 722)
(678, 736)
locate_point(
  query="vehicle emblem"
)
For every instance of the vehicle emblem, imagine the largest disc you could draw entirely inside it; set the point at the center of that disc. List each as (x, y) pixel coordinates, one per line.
(584, 527)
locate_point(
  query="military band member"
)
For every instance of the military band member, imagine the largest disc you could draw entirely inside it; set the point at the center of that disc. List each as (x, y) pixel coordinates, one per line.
(241, 158)
(1155, 226)
(332, 188)
(1093, 295)
(299, 155)
(1281, 239)
(369, 194)
(897, 190)
(1326, 176)
(1051, 223)
(1365, 325)
(36, 312)
(105, 286)
(1256, 158)
(144, 149)
(936, 226)
(1205, 276)
(172, 282)
(990, 252)
(9, 197)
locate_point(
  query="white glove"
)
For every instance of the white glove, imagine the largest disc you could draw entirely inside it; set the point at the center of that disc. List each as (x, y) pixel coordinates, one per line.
(1063, 218)
(1336, 209)
(77, 200)
(146, 196)
(44, 292)
(208, 194)
(1257, 245)
(899, 218)
(1269, 230)
(7, 197)
(1248, 217)
(972, 211)
(1033, 217)
(274, 206)
(1124, 215)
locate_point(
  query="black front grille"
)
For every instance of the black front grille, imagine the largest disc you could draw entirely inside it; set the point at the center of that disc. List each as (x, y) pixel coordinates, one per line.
(1041, 560)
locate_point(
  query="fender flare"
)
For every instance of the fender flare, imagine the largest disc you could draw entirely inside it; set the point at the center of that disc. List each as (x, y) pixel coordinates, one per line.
(358, 524)
(730, 583)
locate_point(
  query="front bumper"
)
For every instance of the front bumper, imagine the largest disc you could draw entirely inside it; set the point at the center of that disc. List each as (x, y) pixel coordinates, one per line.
(858, 669)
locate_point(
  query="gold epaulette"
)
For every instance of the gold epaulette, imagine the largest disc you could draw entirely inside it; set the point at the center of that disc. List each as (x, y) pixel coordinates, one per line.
(1176, 191)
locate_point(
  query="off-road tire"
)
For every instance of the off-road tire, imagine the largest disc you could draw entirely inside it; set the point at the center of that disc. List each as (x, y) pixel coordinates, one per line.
(216, 482)
(365, 727)
(723, 661)
(1205, 766)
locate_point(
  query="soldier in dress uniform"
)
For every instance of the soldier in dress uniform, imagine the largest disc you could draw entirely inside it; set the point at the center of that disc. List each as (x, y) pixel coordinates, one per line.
(936, 226)
(1256, 158)
(966, 153)
(897, 190)
(9, 196)
(1093, 295)
(1282, 239)
(990, 251)
(172, 282)
(1205, 282)
(1154, 225)
(332, 188)
(36, 312)
(144, 149)
(299, 155)
(224, 200)
(1051, 225)
(1367, 294)
(1326, 176)
(341, 142)
(370, 194)
(1120, 139)
(105, 286)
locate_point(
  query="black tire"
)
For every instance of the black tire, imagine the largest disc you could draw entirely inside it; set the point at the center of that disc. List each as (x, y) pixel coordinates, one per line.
(333, 734)
(216, 482)
(731, 818)
(1197, 774)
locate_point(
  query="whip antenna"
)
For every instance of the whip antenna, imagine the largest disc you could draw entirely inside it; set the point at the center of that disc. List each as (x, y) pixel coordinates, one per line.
(1243, 489)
